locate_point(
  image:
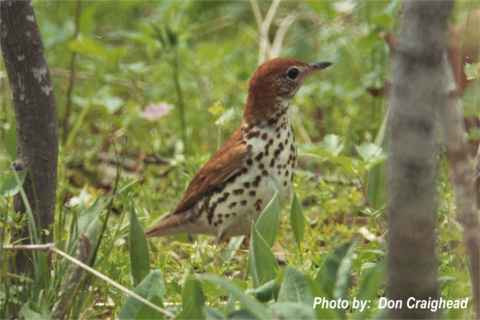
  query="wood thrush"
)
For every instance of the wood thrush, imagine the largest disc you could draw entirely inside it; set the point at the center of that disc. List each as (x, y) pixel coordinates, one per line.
(233, 187)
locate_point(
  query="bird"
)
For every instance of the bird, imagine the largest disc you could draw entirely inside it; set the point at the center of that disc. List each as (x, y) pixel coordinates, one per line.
(232, 188)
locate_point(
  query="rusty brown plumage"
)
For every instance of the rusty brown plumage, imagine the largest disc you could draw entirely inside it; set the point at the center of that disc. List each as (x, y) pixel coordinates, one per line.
(204, 207)
(226, 162)
(263, 89)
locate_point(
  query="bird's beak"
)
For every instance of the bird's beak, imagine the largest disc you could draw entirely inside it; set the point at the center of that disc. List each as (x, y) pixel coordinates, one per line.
(314, 67)
(319, 65)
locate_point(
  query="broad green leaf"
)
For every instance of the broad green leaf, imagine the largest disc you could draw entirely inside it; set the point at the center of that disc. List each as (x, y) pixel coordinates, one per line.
(213, 314)
(291, 310)
(323, 313)
(241, 314)
(297, 220)
(268, 222)
(233, 245)
(10, 141)
(376, 192)
(88, 215)
(262, 263)
(370, 152)
(9, 185)
(370, 282)
(89, 223)
(139, 258)
(333, 144)
(193, 300)
(334, 275)
(295, 288)
(151, 288)
(248, 302)
(28, 314)
(344, 274)
(267, 291)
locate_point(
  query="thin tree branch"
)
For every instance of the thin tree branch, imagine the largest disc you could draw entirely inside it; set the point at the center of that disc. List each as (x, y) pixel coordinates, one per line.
(280, 34)
(257, 13)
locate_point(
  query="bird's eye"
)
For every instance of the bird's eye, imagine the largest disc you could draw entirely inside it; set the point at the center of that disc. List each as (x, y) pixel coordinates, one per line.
(293, 73)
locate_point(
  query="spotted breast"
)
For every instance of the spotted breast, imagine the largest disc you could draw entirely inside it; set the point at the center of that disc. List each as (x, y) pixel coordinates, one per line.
(268, 168)
(235, 185)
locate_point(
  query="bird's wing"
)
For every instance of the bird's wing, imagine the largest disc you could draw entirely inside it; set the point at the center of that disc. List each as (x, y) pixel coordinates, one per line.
(225, 163)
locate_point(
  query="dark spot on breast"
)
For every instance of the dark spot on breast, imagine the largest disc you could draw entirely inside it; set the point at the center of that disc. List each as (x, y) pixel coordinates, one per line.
(227, 215)
(253, 134)
(238, 191)
(264, 136)
(272, 162)
(233, 178)
(264, 172)
(246, 184)
(257, 180)
(261, 166)
(232, 204)
(286, 173)
(272, 121)
(249, 162)
(252, 193)
(284, 183)
(259, 156)
(211, 211)
(243, 202)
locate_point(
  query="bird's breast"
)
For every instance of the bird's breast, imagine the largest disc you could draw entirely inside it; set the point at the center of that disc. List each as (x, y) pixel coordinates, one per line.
(273, 156)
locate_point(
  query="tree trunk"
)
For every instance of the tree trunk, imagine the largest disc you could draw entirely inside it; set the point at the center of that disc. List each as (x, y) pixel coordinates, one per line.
(419, 83)
(34, 103)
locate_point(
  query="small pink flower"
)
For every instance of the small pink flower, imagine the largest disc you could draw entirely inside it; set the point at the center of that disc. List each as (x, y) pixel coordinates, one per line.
(156, 111)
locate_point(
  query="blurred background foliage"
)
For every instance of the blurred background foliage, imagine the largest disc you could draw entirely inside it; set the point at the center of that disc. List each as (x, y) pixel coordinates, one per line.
(160, 84)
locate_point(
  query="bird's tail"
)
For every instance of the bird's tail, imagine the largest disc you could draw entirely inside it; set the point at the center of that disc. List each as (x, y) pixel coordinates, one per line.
(171, 224)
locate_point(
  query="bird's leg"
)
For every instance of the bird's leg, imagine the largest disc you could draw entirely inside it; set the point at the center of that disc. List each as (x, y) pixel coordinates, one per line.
(222, 238)
(246, 241)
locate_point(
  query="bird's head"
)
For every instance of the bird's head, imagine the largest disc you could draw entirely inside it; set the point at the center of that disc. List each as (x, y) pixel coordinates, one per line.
(273, 84)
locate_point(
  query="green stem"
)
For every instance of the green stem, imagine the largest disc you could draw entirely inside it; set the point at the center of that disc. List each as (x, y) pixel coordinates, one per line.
(180, 102)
